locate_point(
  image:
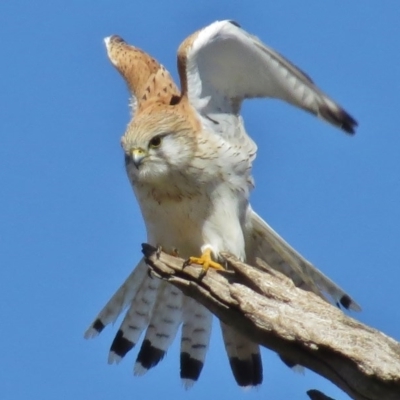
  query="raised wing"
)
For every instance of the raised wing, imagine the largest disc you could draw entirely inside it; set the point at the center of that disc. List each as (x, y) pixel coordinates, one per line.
(221, 65)
(148, 80)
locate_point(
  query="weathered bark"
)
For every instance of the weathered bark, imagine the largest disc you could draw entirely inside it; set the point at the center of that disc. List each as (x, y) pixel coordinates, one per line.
(304, 329)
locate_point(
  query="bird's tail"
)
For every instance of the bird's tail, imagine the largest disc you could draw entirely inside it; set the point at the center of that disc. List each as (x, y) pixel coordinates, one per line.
(159, 308)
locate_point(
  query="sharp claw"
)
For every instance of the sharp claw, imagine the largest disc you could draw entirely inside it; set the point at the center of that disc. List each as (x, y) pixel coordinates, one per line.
(150, 273)
(202, 274)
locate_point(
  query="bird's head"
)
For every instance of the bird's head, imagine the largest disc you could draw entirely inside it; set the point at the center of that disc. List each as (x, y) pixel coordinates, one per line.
(157, 145)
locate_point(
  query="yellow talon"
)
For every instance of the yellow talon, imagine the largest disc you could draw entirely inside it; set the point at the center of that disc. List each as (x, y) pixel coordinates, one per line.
(205, 261)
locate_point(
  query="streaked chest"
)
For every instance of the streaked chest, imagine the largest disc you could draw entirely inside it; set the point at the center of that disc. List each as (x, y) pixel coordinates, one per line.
(174, 220)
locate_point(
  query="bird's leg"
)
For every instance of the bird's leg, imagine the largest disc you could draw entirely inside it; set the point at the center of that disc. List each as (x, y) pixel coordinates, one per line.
(205, 261)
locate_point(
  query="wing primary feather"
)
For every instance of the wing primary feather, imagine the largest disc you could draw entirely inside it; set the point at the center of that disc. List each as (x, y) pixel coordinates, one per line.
(264, 243)
(337, 116)
(234, 23)
(346, 301)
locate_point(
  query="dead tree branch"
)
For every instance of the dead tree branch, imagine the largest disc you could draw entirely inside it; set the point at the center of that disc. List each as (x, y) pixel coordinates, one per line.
(264, 305)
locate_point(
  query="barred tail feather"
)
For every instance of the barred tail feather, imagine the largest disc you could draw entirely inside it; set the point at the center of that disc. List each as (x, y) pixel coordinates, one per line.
(164, 323)
(118, 302)
(196, 331)
(244, 357)
(136, 319)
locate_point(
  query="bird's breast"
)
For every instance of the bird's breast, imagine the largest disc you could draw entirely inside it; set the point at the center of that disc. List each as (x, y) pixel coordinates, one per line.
(173, 220)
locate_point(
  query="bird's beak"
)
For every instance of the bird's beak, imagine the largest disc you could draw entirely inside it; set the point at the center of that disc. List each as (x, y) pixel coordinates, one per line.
(138, 155)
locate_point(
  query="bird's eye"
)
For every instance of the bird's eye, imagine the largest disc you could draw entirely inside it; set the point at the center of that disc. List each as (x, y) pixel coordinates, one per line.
(155, 142)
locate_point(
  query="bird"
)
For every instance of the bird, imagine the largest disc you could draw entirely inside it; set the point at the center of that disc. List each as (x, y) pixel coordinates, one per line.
(189, 160)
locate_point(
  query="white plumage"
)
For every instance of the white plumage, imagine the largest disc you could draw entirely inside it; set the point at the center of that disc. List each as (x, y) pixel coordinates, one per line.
(189, 159)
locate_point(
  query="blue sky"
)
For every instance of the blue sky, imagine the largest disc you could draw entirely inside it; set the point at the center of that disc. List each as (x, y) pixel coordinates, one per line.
(70, 229)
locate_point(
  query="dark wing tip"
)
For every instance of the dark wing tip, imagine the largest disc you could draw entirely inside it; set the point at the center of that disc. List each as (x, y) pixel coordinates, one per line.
(345, 301)
(231, 21)
(339, 117)
(348, 303)
(149, 356)
(120, 345)
(348, 123)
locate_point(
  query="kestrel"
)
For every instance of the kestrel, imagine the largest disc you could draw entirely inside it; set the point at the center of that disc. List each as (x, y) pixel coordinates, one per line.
(189, 160)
